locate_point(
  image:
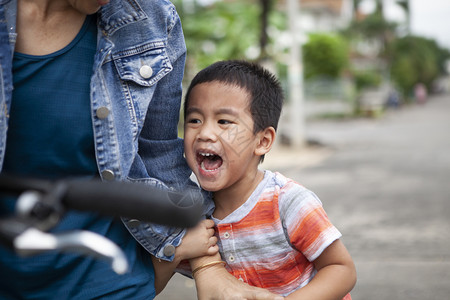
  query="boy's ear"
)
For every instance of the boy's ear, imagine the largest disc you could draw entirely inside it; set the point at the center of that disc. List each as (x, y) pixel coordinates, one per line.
(266, 139)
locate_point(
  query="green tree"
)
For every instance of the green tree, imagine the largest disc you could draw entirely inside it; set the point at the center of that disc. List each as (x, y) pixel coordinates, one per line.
(266, 8)
(226, 30)
(325, 55)
(416, 59)
(404, 4)
(373, 27)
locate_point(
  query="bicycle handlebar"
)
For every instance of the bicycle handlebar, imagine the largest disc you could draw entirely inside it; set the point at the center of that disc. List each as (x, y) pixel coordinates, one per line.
(141, 202)
(126, 199)
(41, 203)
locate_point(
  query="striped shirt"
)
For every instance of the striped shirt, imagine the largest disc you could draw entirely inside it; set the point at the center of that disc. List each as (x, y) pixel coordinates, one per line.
(273, 238)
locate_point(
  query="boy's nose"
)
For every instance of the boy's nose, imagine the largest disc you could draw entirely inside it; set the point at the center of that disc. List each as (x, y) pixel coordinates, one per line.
(207, 133)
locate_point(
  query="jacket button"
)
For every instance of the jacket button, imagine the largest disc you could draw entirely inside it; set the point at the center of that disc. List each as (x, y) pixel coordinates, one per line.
(108, 175)
(102, 112)
(146, 71)
(169, 250)
(133, 223)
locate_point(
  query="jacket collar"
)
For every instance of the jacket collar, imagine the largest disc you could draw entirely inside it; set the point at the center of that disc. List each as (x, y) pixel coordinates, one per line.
(119, 13)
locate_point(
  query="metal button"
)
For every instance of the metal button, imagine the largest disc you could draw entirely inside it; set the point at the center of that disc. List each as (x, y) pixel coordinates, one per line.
(226, 235)
(134, 223)
(108, 175)
(169, 250)
(102, 112)
(146, 71)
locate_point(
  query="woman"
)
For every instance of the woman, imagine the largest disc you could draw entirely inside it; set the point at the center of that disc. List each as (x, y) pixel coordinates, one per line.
(97, 89)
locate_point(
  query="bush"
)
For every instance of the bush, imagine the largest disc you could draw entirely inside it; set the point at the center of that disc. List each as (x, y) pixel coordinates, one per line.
(325, 55)
(366, 79)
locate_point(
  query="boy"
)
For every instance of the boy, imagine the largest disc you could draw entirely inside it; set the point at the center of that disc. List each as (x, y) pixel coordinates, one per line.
(273, 233)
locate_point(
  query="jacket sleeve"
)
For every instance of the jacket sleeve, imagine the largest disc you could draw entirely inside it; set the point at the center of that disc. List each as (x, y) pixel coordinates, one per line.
(160, 148)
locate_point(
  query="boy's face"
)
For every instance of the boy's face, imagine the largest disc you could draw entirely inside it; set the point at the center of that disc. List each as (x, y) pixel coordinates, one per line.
(218, 135)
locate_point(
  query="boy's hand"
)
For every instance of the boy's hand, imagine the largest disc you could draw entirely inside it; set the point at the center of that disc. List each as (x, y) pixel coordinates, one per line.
(198, 241)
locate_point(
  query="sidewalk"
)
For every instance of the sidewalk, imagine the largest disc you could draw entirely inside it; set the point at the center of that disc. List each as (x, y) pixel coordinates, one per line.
(283, 157)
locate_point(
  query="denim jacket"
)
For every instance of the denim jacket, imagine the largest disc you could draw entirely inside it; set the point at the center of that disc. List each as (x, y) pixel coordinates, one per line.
(135, 101)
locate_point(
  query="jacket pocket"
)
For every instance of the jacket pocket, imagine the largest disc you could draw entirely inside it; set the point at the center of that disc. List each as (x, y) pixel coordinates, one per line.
(145, 65)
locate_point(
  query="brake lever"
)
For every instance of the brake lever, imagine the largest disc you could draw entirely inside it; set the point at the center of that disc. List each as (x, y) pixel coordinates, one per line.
(36, 212)
(33, 241)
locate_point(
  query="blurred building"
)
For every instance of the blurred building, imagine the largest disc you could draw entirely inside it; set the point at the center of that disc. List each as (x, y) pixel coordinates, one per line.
(325, 15)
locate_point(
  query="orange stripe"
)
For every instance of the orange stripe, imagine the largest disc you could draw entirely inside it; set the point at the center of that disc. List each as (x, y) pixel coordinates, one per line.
(310, 229)
(274, 278)
(262, 214)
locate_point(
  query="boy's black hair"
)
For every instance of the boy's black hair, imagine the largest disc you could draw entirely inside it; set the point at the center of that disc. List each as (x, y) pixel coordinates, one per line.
(266, 94)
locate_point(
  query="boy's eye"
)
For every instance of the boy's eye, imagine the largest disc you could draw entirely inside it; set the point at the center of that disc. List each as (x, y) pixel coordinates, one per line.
(193, 121)
(224, 122)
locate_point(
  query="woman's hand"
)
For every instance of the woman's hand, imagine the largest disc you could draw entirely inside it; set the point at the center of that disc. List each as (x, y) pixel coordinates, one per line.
(215, 283)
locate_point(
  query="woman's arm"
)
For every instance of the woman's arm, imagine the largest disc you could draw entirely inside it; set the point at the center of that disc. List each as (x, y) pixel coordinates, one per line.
(160, 153)
(335, 278)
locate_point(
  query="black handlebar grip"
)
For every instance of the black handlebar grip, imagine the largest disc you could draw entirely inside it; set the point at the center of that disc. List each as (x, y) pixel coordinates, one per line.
(137, 201)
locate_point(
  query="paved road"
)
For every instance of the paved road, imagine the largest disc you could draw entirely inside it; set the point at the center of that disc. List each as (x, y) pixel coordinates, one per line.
(385, 183)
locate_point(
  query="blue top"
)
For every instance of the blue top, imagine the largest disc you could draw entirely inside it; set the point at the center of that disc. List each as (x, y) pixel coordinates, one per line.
(50, 116)
(50, 111)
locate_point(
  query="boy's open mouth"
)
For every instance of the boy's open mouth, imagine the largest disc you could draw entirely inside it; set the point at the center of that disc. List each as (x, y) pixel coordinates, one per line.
(209, 161)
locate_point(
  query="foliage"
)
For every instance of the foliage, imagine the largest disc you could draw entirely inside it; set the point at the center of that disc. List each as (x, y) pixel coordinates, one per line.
(324, 55)
(416, 60)
(222, 30)
(373, 26)
(408, 60)
(366, 79)
(232, 30)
